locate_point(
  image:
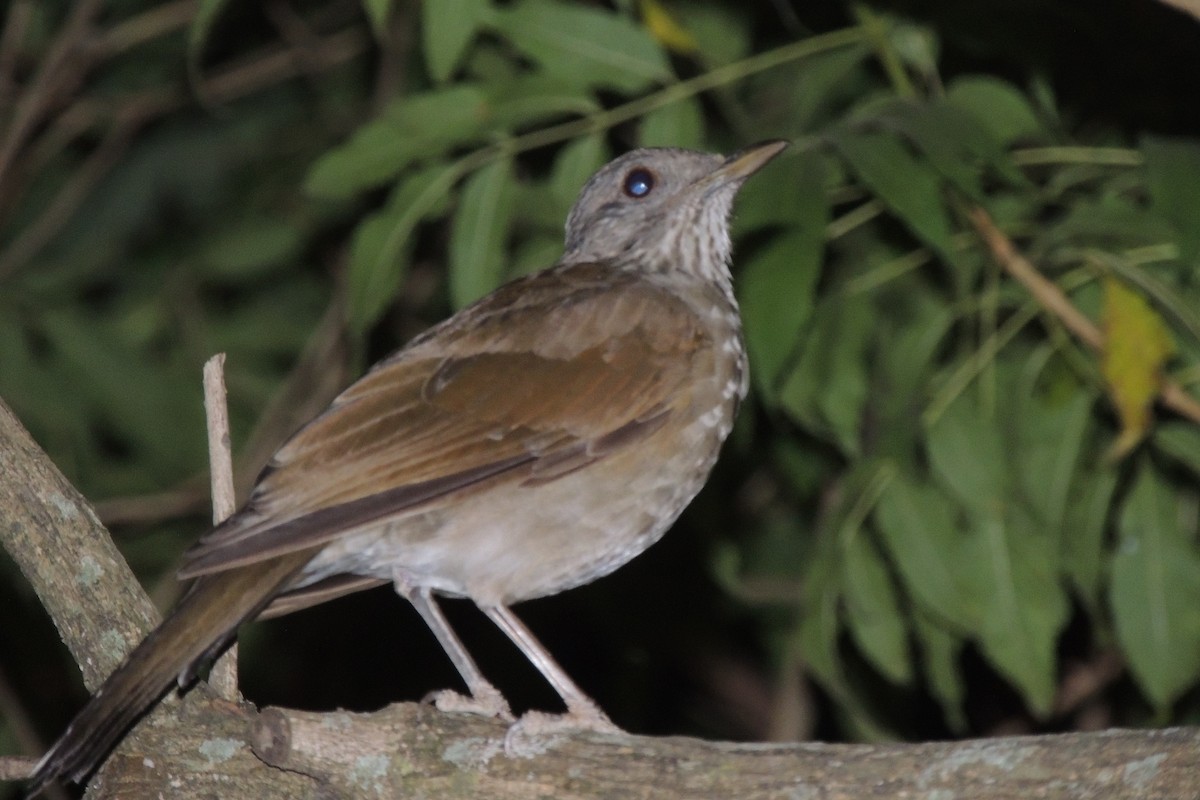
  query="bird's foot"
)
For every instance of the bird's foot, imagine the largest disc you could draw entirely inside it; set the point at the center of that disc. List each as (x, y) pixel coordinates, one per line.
(536, 731)
(484, 701)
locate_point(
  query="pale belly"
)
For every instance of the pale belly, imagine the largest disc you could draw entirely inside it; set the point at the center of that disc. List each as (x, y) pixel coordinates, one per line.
(515, 541)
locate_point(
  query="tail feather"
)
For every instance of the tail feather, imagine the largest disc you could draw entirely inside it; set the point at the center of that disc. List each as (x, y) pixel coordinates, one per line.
(199, 626)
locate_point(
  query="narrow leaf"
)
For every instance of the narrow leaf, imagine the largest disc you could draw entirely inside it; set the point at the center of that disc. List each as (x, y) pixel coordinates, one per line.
(414, 128)
(996, 105)
(967, 454)
(873, 610)
(478, 235)
(587, 46)
(778, 284)
(575, 164)
(1084, 526)
(377, 253)
(1173, 178)
(827, 390)
(203, 20)
(910, 188)
(937, 132)
(1155, 592)
(525, 100)
(1051, 437)
(1181, 441)
(940, 653)
(378, 12)
(1013, 575)
(679, 124)
(447, 28)
(921, 539)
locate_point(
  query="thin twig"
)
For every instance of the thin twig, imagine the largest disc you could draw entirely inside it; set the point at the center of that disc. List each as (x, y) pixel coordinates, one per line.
(284, 64)
(16, 768)
(12, 34)
(40, 95)
(69, 197)
(223, 677)
(150, 24)
(1054, 300)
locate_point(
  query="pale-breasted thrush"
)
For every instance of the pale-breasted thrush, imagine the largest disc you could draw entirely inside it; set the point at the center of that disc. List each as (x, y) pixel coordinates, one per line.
(533, 442)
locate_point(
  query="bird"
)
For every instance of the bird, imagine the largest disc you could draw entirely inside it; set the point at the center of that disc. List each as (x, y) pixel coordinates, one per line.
(534, 441)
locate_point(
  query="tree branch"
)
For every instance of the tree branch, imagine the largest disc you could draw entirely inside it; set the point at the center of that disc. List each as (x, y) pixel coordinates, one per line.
(407, 750)
(56, 539)
(206, 746)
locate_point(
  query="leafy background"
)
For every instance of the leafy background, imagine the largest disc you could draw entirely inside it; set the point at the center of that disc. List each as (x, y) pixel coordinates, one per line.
(944, 511)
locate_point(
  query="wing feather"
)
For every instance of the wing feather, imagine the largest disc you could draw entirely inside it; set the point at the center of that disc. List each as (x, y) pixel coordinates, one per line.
(533, 382)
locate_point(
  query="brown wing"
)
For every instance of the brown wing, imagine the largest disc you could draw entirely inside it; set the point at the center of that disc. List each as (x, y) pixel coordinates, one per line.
(536, 380)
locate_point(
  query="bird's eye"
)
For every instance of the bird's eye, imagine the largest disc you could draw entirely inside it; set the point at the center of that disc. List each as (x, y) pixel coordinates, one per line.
(639, 182)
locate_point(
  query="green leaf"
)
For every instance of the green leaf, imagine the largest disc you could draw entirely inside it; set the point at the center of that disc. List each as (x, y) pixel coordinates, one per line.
(776, 195)
(997, 106)
(252, 247)
(203, 20)
(967, 454)
(778, 284)
(100, 367)
(940, 654)
(819, 627)
(417, 127)
(678, 124)
(1173, 178)
(918, 530)
(827, 389)
(1181, 441)
(1012, 571)
(525, 100)
(479, 233)
(817, 640)
(1084, 525)
(937, 131)
(574, 164)
(587, 46)
(910, 188)
(1108, 221)
(377, 253)
(723, 32)
(378, 12)
(1051, 440)
(447, 27)
(845, 392)
(776, 290)
(904, 369)
(1155, 592)
(873, 610)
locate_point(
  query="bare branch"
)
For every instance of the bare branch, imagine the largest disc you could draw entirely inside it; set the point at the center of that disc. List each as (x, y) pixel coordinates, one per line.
(1054, 300)
(407, 750)
(224, 676)
(56, 539)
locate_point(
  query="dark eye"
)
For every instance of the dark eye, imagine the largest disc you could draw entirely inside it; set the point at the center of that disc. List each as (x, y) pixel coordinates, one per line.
(639, 182)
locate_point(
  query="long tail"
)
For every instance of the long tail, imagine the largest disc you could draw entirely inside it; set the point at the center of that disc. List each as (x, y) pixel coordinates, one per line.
(198, 628)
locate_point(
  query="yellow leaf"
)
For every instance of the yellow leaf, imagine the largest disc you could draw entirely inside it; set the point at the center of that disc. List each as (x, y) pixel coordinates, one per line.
(666, 29)
(1136, 346)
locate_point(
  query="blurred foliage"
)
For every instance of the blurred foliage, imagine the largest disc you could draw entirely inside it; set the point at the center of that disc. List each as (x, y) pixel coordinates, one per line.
(939, 505)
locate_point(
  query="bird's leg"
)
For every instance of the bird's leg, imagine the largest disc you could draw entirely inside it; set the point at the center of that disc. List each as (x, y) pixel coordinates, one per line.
(485, 698)
(582, 712)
